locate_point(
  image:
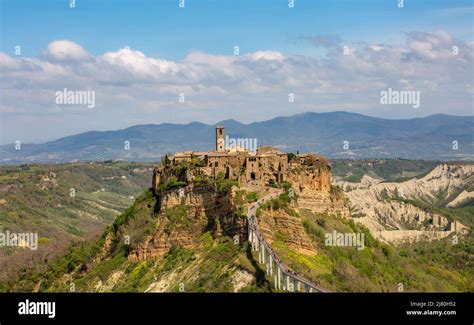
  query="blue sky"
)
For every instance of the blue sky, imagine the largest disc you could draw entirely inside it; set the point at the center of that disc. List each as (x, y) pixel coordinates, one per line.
(161, 28)
(139, 56)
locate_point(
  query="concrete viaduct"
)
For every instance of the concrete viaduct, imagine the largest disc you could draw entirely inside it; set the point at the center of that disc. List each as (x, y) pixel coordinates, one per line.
(283, 278)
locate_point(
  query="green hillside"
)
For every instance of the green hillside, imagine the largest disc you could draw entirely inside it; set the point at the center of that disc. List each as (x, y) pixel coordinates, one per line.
(63, 203)
(103, 212)
(423, 266)
(218, 264)
(212, 266)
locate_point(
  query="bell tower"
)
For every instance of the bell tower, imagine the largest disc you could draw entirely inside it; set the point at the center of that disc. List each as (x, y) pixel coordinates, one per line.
(220, 138)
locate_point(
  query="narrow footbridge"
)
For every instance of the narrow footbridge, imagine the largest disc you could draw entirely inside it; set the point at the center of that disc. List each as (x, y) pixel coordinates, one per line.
(284, 278)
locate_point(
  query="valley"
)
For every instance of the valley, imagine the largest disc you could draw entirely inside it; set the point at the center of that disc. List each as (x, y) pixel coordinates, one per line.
(163, 244)
(63, 203)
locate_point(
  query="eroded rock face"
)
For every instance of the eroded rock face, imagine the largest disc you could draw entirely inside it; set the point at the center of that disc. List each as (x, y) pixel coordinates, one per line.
(447, 178)
(184, 214)
(323, 202)
(313, 187)
(463, 198)
(402, 236)
(278, 225)
(395, 215)
(316, 178)
(158, 245)
(380, 205)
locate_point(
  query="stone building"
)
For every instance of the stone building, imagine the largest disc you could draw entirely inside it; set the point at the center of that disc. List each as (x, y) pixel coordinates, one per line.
(265, 165)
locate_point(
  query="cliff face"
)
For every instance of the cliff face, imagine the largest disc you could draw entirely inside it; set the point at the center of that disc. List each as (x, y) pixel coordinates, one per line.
(323, 202)
(278, 225)
(312, 185)
(445, 178)
(388, 208)
(313, 178)
(184, 214)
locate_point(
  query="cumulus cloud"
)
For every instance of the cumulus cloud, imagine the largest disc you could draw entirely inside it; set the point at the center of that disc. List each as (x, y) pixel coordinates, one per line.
(432, 46)
(137, 63)
(64, 50)
(267, 55)
(132, 87)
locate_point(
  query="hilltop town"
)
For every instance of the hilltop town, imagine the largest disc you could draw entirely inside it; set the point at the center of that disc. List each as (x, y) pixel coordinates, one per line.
(265, 166)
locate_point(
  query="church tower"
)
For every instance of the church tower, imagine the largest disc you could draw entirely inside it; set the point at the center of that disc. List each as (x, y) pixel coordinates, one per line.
(220, 138)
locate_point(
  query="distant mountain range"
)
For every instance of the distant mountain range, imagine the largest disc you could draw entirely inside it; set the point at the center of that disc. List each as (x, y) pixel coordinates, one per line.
(432, 137)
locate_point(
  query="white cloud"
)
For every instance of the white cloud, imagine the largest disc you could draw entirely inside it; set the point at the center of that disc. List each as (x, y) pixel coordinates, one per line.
(137, 63)
(267, 55)
(64, 50)
(432, 46)
(376, 47)
(131, 86)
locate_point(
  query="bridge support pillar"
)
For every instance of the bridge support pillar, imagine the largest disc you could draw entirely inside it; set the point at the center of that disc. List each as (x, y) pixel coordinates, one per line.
(271, 264)
(252, 241)
(267, 268)
(279, 278)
